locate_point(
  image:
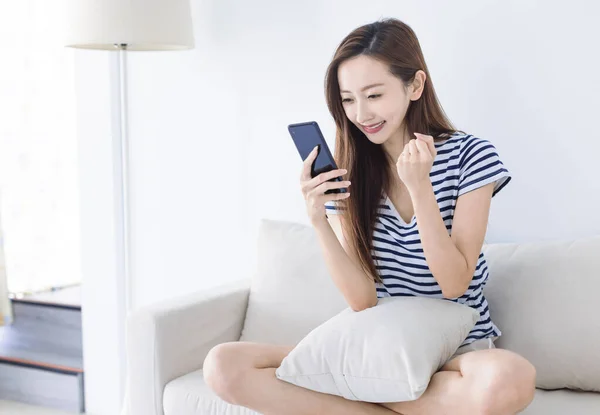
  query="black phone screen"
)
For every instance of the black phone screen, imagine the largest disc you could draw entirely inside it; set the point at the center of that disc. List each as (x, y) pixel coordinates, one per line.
(308, 135)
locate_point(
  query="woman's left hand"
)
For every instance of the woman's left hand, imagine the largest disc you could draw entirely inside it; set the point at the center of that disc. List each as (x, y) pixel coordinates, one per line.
(415, 162)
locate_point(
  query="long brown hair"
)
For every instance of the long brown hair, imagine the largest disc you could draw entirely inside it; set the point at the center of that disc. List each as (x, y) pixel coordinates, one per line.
(394, 43)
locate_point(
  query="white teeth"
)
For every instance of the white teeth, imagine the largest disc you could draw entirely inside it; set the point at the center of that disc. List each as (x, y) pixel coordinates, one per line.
(375, 126)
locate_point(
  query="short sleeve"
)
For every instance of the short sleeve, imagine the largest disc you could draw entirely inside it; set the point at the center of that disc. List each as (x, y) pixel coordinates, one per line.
(480, 165)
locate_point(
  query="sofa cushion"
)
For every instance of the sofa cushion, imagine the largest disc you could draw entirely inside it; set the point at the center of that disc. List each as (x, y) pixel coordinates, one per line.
(563, 402)
(291, 291)
(386, 353)
(190, 395)
(545, 297)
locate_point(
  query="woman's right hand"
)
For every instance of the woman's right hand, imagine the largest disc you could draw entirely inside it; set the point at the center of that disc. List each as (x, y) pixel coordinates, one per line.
(314, 189)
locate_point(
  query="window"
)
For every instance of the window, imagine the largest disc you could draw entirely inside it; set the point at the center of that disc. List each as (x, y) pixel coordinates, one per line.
(38, 148)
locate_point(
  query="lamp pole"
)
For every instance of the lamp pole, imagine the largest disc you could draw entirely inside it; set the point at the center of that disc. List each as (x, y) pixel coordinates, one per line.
(122, 177)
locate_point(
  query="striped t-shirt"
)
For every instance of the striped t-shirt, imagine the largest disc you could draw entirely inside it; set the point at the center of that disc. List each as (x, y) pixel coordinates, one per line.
(463, 163)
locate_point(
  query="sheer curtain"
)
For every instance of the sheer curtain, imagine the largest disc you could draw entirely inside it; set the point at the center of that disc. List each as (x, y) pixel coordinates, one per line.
(38, 148)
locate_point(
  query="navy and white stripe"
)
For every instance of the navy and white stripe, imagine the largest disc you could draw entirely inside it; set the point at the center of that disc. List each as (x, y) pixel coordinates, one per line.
(463, 163)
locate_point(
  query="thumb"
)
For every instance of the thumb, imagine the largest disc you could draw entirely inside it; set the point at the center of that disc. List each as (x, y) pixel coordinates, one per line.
(427, 139)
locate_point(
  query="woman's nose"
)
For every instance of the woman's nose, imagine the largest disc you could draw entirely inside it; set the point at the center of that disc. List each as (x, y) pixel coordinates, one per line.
(363, 115)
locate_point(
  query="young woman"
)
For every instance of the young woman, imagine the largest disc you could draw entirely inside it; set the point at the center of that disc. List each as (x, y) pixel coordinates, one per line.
(412, 223)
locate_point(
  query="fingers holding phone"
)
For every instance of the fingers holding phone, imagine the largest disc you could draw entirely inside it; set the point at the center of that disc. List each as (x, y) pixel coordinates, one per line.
(307, 165)
(317, 190)
(320, 179)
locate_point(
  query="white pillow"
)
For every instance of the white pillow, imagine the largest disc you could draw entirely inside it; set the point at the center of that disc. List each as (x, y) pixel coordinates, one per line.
(386, 353)
(292, 291)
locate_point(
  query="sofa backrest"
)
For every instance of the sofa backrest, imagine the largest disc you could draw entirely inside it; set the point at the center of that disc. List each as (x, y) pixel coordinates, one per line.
(291, 291)
(544, 297)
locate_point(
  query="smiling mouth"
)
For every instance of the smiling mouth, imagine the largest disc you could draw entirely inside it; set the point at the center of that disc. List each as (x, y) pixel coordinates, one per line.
(375, 128)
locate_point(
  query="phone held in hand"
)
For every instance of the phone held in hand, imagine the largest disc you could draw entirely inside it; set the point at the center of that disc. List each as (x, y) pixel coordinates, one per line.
(306, 137)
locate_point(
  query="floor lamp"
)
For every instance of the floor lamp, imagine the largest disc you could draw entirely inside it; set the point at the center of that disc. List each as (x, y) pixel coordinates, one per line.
(121, 26)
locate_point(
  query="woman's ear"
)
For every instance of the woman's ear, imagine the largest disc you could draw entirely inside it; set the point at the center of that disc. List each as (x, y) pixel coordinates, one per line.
(418, 85)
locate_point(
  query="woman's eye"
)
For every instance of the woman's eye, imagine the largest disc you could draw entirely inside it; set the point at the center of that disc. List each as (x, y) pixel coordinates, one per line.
(370, 96)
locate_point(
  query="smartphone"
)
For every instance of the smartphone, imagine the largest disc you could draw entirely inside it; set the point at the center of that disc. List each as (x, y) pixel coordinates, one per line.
(306, 137)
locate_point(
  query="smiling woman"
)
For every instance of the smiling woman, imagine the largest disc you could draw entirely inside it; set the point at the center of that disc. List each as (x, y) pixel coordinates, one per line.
(412, 225)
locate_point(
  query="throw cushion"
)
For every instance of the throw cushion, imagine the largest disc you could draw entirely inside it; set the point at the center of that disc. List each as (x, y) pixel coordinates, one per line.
(386, 353)
(291, 291)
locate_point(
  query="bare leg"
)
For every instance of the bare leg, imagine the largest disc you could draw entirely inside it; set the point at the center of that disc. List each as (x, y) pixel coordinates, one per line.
(494, 382)
(243, 373)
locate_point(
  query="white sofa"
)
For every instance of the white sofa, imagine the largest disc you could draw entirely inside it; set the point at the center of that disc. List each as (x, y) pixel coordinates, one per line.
(545, 297)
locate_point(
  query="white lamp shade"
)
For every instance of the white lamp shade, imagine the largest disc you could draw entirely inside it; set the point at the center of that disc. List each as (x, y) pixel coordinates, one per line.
(140, 24)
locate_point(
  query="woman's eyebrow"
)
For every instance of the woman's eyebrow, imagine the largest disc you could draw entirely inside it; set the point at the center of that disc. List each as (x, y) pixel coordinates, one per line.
(366, 87)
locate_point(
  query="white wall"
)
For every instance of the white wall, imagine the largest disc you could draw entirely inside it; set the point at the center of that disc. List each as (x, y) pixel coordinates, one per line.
(211, 154)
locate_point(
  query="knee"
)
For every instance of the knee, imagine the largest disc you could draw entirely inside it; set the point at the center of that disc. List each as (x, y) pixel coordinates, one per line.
(222, 373)
(507, 383)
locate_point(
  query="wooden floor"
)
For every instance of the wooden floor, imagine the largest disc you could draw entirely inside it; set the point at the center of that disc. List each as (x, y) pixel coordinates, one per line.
(41, 355)
(44, 334)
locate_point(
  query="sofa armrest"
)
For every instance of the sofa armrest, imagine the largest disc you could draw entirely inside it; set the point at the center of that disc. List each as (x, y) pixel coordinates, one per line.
(173, 338)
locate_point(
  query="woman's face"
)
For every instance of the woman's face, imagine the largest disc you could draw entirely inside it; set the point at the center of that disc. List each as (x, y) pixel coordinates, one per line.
(373, 97)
